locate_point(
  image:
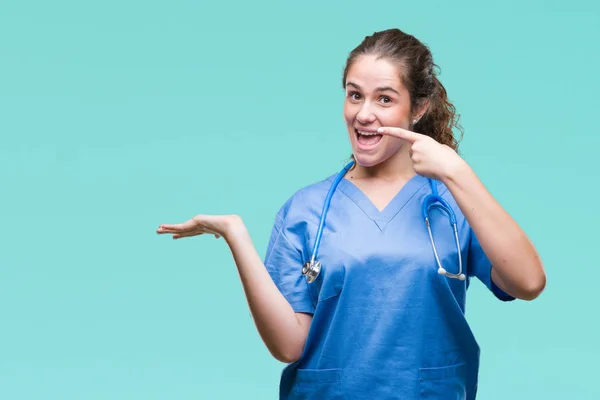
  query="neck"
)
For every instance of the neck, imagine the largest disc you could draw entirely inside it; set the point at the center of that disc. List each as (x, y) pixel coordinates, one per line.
(398, 167)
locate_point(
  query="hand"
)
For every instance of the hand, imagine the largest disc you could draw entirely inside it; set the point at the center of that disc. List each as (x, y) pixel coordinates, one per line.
(430, 158)
(217, 225)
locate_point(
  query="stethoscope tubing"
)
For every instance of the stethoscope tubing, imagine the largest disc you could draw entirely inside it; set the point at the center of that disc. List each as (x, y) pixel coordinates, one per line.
(312, 268)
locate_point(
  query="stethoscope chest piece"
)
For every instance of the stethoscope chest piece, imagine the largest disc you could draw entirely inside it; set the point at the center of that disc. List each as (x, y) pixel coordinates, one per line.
(311, 270)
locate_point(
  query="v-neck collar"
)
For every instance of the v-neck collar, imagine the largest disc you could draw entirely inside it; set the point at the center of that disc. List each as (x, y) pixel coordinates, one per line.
(382, 218)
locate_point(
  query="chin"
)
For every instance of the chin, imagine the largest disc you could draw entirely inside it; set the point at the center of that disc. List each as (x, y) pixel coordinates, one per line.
(367, 160)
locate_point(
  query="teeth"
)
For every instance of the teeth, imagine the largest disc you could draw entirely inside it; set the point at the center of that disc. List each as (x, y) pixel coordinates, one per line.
(367, 133)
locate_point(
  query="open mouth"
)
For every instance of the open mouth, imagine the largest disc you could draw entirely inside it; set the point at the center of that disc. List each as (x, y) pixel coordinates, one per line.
(367, 138)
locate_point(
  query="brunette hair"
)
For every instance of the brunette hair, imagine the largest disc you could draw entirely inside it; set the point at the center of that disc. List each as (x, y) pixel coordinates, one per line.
(419, 76)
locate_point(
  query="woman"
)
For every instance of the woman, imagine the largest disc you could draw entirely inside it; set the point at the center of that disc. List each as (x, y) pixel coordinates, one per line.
(384, 316)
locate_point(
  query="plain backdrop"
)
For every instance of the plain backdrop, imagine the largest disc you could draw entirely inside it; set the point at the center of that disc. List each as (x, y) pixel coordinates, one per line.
(117, 116)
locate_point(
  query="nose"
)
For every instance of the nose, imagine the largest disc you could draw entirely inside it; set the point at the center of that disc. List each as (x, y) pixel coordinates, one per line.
(365, 116)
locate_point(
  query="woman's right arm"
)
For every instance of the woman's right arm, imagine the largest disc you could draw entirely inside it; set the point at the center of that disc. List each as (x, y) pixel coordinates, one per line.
(283, 331)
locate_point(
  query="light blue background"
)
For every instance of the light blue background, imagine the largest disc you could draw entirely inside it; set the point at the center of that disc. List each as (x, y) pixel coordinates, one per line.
(116, 116)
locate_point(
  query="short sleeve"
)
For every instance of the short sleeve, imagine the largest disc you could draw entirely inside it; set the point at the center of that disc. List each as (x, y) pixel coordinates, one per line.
(284, 264)
(480, 266)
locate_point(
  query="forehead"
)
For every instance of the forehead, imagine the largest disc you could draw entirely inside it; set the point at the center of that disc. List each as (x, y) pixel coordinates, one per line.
(370, 72)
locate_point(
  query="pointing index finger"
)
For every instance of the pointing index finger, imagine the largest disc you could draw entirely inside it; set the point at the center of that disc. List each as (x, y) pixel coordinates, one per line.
(399, 133)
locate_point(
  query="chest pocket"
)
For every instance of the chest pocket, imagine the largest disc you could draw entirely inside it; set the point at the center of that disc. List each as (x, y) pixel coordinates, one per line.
(330, 281)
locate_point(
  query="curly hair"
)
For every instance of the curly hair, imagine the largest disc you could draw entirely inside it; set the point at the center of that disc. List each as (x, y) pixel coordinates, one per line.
(419, 76)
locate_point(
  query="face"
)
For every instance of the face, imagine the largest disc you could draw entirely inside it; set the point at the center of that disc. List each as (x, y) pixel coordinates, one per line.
(375, 97)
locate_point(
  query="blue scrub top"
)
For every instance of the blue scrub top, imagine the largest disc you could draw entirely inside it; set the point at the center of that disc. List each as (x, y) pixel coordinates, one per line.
(385, 324)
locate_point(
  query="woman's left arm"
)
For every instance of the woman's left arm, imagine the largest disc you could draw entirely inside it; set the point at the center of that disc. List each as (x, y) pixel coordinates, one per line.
(517, 267)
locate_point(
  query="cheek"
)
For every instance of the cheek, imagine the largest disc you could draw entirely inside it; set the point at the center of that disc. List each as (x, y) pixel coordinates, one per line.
(396, 116)
(348, 113)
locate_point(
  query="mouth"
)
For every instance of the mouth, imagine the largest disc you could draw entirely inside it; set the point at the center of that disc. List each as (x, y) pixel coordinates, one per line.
(367, 139)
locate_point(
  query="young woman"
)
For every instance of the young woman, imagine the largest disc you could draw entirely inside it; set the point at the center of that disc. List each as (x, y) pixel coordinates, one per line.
(364, 282)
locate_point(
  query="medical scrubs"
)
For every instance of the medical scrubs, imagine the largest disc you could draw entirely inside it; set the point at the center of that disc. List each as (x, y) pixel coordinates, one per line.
(385, 324)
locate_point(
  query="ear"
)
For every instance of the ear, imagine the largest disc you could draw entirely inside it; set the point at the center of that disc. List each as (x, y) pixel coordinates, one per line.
(420, 109)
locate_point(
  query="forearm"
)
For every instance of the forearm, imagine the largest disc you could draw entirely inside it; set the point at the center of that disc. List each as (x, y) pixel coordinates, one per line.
(517, 269)
(277, 323)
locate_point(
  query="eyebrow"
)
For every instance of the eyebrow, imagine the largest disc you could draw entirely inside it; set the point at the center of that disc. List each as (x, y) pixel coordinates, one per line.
(379, 89)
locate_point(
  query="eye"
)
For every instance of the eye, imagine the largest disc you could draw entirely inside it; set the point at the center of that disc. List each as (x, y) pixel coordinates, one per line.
(354, 95)
(386, 99)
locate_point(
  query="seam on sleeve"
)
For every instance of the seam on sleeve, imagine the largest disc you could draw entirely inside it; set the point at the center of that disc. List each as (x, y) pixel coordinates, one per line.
(282, 234)
(302, 304)
(291, 244)
(278, 230)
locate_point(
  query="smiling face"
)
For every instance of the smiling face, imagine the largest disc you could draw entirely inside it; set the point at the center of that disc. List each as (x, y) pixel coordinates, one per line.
(375, 97)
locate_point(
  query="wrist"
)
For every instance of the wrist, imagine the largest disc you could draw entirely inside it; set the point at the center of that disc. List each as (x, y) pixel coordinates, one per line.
(234, 227)
(456, 171)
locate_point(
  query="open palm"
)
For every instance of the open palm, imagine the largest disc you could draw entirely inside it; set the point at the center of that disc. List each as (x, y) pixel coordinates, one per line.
(201, 224)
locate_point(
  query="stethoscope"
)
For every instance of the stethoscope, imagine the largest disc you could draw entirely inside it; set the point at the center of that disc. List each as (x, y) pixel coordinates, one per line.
(312, 268)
